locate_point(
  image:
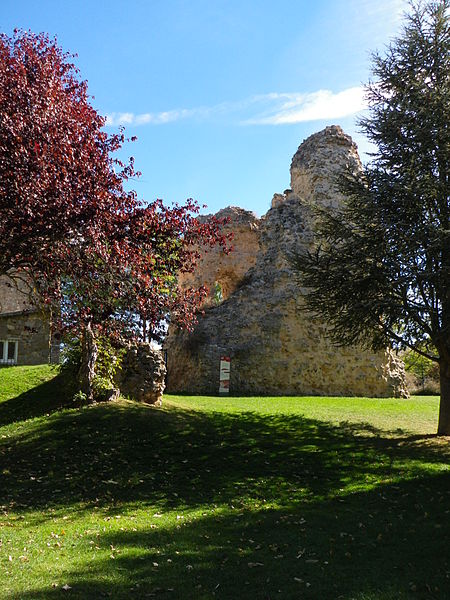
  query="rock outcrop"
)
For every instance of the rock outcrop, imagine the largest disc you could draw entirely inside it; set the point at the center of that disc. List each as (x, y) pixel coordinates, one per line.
(275, 346)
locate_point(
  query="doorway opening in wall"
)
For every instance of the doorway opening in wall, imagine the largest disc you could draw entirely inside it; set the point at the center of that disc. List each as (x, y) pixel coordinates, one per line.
(8, 352)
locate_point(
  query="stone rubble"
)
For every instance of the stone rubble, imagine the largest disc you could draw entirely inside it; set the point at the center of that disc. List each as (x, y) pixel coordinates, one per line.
(142, 374)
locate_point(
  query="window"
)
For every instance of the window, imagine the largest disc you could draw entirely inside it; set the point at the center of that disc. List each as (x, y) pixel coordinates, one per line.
(8, 352)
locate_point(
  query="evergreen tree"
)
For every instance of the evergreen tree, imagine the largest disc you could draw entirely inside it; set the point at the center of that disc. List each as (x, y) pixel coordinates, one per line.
(380, 271)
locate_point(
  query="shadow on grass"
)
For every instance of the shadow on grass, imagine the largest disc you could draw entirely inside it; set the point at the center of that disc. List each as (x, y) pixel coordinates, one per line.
(43, 399)
(110, 454)
(379, 545)
(341, 508)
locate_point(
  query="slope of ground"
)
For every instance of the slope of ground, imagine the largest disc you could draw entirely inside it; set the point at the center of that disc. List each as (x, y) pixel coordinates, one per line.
(220, 498)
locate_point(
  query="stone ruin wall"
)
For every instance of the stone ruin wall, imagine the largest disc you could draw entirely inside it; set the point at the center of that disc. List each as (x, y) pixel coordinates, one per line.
(227, 270)
(277, 348)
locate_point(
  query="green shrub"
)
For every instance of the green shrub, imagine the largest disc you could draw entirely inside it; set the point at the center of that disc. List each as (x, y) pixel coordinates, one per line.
(103, 389)
(422, 373)
(109, 360)
(79, 398)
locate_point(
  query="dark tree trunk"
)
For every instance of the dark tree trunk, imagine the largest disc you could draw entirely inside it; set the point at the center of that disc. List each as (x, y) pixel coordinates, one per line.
(444, 408)
(89, 353)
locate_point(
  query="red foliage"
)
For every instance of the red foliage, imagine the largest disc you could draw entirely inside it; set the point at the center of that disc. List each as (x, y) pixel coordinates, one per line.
(133, 272)
(64, 214)
(57, 177)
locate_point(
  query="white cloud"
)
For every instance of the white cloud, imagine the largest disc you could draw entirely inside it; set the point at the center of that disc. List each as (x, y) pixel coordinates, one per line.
(321, 105)
(264, 109)
(122, 119)
(115, 119)
(371, 9)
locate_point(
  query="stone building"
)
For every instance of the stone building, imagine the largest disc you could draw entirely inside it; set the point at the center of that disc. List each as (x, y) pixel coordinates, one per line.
(259, 319)
(25, 332)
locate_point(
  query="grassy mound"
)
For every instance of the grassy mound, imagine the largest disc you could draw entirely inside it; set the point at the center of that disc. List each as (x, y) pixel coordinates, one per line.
(220, 498)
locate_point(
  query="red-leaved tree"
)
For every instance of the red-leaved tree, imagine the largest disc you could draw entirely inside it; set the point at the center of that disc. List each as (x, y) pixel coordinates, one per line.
(58, 179)
(66, 220)
(129, 280)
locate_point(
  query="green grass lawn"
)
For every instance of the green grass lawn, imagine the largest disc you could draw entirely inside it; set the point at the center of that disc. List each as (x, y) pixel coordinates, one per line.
(237, 498)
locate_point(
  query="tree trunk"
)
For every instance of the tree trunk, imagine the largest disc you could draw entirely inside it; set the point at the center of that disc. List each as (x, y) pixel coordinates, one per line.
(444, 408)
(89, 353)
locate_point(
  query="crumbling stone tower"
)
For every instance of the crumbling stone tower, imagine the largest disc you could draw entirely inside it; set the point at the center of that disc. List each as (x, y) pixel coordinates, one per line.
(276, 348)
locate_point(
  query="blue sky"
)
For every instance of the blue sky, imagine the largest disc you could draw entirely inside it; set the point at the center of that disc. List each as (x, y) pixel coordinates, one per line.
(219, 93)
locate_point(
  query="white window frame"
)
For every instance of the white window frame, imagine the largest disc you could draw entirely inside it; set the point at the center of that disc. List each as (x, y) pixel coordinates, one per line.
(4, 360)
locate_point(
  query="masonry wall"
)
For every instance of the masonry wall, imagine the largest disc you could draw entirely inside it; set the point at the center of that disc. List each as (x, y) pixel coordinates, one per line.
(276, 347)
(32, 334)
(228, 271)
(21, 321)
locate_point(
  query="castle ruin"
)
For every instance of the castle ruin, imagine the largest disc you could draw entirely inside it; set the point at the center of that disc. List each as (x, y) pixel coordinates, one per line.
(255, 313)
